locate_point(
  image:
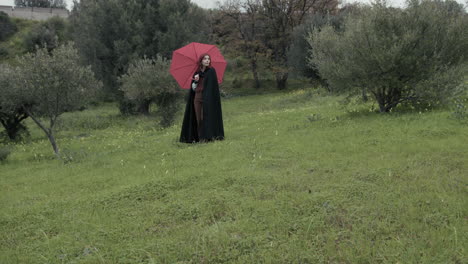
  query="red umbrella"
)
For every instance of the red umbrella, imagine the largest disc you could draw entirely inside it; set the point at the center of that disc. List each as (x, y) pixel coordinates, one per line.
(185, 62)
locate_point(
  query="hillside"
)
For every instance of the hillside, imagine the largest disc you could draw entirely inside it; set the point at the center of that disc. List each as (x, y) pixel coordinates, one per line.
(14, 45)
(299, 179)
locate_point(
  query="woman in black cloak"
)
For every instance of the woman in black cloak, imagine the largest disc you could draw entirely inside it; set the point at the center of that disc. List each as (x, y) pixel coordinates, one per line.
(203, 119)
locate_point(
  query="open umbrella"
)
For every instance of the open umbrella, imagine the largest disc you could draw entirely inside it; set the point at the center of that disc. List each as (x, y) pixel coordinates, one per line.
(185, 62)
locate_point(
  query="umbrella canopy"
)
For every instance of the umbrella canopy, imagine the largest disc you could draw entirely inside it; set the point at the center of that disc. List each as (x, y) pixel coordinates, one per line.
(185, 62)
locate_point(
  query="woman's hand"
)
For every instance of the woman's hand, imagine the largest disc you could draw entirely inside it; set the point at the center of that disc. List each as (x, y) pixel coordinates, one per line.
(196, 77)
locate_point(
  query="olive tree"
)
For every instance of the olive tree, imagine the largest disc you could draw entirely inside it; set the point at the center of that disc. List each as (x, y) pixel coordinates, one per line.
(149, 81)
(54, 83)
(417, 54)
(238, 26)
(11, 111)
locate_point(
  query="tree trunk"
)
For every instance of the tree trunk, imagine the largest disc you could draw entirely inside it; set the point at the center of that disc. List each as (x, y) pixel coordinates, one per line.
(379, 97)
(143, 107)
(387, 101)
(382, 108)
(50, 135)
(48, 132)
(253, 64)
(281, 73)
(12, 128)
(281, 79)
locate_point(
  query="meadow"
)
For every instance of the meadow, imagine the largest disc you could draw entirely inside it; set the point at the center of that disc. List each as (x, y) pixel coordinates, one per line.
(300, 178)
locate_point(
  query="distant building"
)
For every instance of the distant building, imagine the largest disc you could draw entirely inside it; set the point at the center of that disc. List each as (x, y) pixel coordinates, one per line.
(34, 13)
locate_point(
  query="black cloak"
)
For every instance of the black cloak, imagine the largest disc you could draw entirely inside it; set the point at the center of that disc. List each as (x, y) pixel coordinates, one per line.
(212, 116)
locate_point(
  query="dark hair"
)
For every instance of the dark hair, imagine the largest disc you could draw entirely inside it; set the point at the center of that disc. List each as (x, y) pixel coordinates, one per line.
(201, 59)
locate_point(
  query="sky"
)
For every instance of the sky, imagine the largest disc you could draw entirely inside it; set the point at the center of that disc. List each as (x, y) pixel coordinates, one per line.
(212, 3)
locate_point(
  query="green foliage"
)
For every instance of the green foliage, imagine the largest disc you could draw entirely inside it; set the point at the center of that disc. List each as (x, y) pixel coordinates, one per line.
(55, 83)
(111, 34)
(415, 55)
(149, 81)
(107, 35)
(7, 26)
(48, 34)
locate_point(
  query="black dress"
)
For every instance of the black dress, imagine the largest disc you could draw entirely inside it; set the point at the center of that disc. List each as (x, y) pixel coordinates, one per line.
(212, 115)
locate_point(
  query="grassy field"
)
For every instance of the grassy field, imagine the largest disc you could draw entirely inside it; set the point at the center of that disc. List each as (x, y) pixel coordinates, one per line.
(299, 179)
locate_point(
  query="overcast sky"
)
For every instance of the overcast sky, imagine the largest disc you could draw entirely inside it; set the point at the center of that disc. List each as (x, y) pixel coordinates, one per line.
(212, 3)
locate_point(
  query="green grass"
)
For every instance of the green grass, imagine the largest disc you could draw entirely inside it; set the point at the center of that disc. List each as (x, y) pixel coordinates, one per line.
(299, 179)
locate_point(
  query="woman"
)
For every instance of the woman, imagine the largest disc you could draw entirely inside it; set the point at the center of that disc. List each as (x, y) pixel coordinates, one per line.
(203, 119)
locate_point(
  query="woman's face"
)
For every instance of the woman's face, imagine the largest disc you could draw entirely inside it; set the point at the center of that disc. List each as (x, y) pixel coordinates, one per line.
(206, 61)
